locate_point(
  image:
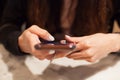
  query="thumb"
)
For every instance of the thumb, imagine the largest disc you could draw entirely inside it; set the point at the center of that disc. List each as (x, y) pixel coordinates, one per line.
(42, 33)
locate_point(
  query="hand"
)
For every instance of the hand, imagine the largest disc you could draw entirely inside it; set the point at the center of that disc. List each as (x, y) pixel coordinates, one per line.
(30, 37)
(95, 47)
(64, 52)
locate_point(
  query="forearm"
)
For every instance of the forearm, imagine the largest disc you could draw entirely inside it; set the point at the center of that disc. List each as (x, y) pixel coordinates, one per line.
(9, 38)
(10, 27)
(116, 38)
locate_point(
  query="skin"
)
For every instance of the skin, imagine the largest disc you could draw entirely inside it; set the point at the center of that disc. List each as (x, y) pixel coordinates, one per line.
(30, 37)
(92, 48)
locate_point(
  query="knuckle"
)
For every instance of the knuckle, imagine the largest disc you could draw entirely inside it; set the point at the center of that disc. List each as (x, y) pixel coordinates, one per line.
(25, 33)
(30, 28)
(45, 32)
(92, 60)
(89, 53)
(80, 45)
(83, 43)
(33, 26)
(33, 51)
(87, 43)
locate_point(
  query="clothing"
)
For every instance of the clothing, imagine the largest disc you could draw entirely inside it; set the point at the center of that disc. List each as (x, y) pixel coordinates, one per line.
(15, 15)
(2, 6)
(10, 28)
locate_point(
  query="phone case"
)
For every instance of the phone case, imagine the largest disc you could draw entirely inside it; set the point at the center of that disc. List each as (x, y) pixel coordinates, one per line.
(55, 46)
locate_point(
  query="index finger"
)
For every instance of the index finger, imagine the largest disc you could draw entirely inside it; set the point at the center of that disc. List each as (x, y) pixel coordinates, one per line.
(74, 39)
(41, 33)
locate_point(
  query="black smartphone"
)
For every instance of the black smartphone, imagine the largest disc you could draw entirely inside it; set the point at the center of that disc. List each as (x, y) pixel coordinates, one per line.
(53, 45)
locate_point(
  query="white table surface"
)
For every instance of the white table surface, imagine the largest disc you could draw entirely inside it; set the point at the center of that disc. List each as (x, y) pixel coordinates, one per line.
(14, 68)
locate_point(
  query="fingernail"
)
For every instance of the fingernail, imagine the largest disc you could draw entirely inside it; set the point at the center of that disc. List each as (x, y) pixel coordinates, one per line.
(51, 51)
(63, 41)
(51, 38)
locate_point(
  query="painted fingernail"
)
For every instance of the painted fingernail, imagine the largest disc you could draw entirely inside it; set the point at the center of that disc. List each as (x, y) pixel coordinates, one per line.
(52, 52)
(51, 38)
(63, 41)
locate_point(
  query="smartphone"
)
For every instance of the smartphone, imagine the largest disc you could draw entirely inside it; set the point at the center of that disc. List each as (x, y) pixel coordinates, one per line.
(52, 45)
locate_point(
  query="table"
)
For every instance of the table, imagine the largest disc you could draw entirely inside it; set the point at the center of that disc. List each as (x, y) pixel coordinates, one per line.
(14, 68)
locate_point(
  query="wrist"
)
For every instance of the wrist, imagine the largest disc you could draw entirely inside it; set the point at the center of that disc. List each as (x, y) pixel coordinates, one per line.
(115, 39)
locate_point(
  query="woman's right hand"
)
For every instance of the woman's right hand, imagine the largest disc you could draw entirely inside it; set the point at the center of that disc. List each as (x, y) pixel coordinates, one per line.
(30, 37)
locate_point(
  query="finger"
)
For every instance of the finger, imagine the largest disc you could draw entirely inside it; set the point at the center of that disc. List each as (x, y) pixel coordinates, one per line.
(60, 54)
(32, 41)
(75, 39)
(89, 60)
(50, 57)
(29, 42)
(72, 39)
(81, 58)
(41, 33)
(44, 53)
(97, 57)
(79, 43)
(40, 57)
(34, 51)
(83, 53)
(81, 46)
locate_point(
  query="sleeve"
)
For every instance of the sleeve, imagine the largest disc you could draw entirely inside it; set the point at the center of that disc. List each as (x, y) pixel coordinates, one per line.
(14, 16)
(116, 9)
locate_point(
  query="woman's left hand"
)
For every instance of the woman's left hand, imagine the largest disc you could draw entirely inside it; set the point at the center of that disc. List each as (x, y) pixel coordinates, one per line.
(94, 47)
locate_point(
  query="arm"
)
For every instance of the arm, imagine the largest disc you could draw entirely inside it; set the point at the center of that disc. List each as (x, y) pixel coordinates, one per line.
(10, 28)
(16, 41)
